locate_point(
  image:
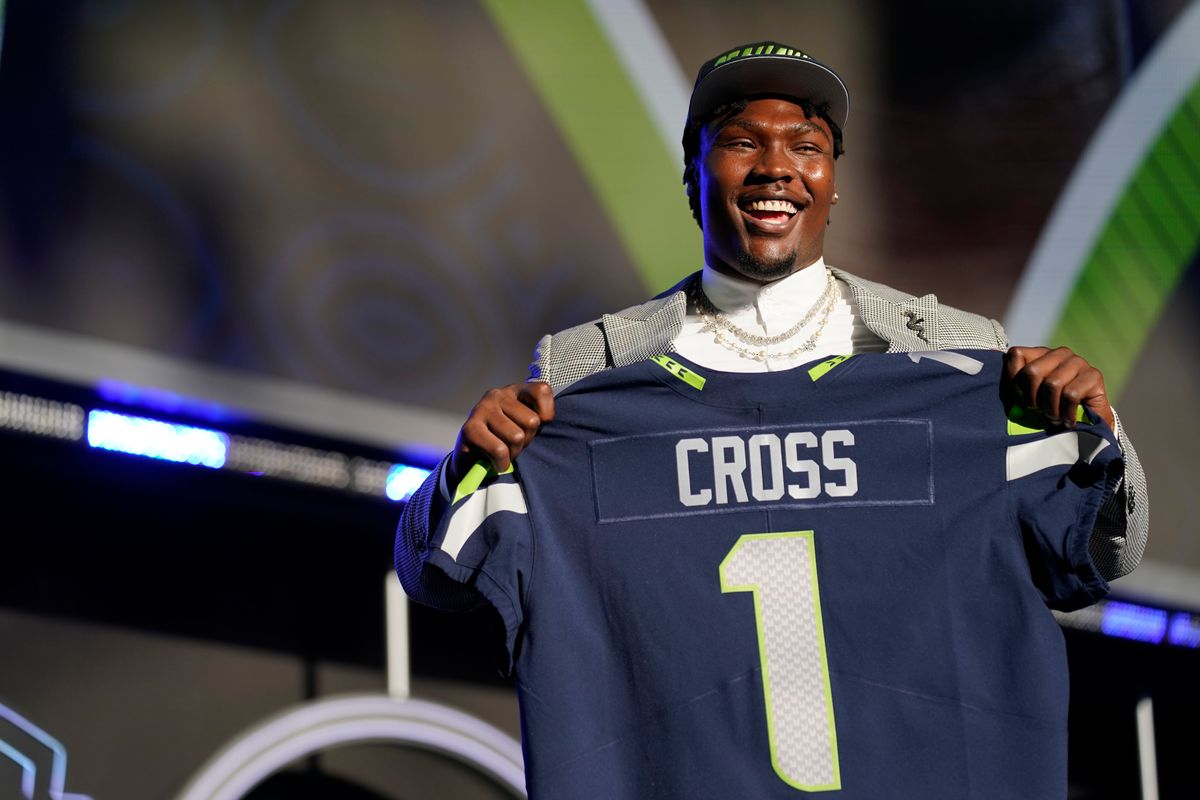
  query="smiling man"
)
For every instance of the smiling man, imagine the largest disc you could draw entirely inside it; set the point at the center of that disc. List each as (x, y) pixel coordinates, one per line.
(781, 428)
(765, 187)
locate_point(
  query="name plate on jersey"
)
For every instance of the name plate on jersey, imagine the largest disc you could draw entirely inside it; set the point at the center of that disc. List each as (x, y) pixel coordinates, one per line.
(714, 471)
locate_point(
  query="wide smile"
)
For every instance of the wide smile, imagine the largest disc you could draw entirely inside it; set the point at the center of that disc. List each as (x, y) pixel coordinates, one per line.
(768, 215)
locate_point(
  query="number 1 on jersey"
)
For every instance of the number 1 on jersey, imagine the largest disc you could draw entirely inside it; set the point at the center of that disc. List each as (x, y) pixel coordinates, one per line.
(780, 569)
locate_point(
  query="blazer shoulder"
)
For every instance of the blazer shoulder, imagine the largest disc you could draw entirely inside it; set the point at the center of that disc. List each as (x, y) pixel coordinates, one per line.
(617, 339)
(966, 329)
(909, 321)
(562, 358)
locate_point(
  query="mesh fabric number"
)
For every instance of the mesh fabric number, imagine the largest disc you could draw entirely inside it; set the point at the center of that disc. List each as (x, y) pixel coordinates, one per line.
(780, 570)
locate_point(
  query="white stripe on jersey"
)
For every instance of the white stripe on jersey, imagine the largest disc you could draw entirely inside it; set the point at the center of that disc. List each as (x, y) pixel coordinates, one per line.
(962, 363)
(1065, 448)
(478, 507)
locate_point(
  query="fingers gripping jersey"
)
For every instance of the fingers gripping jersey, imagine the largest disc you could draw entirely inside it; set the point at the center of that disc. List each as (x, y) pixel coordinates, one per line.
(832, 580)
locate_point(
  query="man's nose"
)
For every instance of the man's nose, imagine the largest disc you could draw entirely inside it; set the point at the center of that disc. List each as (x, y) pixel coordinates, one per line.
(774, 164)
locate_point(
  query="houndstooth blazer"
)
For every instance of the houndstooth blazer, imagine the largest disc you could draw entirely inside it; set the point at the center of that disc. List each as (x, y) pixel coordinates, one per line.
(905, 322)
(643, 331)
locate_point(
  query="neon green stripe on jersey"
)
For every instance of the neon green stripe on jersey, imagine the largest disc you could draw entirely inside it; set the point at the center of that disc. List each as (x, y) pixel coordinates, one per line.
(819, 370)
(1030, 420)
(474, 478)
(690, 377)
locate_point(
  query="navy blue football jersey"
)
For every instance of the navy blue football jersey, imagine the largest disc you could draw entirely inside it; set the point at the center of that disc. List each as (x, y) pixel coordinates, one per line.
(835, 579)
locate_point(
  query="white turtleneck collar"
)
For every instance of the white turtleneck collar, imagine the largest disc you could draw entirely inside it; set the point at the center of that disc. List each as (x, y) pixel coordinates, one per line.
(777, 305)
(769, 309)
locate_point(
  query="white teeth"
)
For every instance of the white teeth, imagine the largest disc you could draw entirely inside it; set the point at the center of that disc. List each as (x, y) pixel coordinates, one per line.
(772, 205)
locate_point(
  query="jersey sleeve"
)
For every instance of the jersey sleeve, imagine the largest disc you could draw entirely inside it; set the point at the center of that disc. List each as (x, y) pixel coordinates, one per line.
(1058, 479)
(424, 585)
(484, 543)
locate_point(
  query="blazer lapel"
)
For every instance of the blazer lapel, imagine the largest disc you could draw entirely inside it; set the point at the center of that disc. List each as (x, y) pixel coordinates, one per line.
(644, 331)
(907, 325)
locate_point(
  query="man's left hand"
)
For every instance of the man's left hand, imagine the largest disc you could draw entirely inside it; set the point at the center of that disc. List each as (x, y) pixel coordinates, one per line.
(1057, 382)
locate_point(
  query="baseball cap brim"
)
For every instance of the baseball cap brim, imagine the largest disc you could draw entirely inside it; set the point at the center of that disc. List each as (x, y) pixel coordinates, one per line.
(803, 78)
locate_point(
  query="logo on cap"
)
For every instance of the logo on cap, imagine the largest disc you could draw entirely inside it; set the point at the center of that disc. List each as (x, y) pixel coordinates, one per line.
(760, 50)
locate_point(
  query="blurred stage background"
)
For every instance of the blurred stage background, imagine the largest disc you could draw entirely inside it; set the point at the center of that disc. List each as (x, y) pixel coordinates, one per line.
(314, 232)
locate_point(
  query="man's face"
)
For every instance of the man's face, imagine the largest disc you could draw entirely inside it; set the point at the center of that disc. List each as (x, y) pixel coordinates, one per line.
(766, 185)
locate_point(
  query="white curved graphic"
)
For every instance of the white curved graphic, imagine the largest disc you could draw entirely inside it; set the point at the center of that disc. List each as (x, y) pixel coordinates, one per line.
(356, 719)
(25, 760)
(28, 768)
(649, 64)
(1103, 173)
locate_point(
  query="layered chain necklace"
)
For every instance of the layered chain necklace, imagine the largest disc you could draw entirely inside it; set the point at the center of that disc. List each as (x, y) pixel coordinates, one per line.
(751, 345)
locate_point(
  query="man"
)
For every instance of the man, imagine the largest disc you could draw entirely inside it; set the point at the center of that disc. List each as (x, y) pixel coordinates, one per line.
(764, 129)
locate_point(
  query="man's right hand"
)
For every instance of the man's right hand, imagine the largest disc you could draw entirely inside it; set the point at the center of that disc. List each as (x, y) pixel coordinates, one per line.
(500, 426)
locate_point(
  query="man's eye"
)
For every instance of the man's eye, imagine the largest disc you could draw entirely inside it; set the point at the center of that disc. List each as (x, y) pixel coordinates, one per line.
(740, 143)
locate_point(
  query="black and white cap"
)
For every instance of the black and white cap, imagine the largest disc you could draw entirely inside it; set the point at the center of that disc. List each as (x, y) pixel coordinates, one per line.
(768, 68)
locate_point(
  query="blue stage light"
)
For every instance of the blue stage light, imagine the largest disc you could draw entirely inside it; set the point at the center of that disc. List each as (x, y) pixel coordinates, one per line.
(161, 400)
(141, 436)
(1184, 630)
(403, 480)
(1131, 621)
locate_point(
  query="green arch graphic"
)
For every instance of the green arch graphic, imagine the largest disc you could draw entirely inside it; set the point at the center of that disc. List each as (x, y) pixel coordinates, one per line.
(583, 81)
(1127, 226)
(1149, 241)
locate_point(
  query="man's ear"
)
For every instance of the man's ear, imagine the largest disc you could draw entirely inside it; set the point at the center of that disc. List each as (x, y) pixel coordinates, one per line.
(691, 185)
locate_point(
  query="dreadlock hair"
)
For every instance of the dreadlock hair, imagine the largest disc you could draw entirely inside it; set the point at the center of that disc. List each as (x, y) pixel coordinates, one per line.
(691, 141)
